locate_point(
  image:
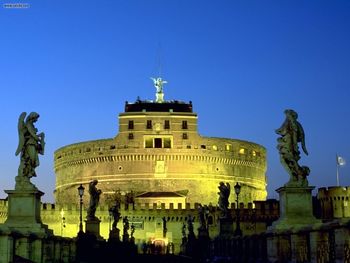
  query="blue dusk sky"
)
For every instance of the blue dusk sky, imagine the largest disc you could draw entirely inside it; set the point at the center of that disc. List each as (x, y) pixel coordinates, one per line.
(241, 63)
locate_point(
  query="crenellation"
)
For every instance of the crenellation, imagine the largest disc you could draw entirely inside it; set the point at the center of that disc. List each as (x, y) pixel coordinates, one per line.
(334, 202)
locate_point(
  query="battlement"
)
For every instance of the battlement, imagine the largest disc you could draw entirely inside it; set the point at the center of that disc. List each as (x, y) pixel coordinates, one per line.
(258, 209)
(334, 202)
(334, 193)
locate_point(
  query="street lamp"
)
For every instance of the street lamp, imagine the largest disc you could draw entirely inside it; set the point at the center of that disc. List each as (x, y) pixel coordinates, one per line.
(110, 211)
(238, 231)
(81, 193)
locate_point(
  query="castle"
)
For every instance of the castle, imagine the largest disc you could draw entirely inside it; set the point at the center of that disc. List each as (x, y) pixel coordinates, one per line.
(160, 157)
(160, 170)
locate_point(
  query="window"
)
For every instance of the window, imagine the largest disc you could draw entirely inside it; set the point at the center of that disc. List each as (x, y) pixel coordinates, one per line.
(157, 142)
(167, 143)
(184, 136)
(184, 125)
(166, 124)
(228, 147)
(131, 136)
(254, 153)
(215, 148)
(203, 146)
(149, 124)
(149, 143)
(131, 125)
(242, 151)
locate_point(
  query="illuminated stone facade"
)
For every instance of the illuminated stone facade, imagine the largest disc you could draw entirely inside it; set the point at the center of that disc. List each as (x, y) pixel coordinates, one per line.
(334, 202)
(158, 149)
(148, 219)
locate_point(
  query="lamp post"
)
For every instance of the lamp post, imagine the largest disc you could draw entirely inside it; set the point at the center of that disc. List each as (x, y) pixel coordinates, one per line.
(81, 193)
(110, 211)
(238, 231)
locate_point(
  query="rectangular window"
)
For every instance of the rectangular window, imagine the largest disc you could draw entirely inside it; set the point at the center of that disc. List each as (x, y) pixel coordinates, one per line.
(149, 124)
(167, 143)
(184, 125)
(157, 142)
(149, 143)
(131, 125)
(184, 136)
(166, 125)
(131, 136)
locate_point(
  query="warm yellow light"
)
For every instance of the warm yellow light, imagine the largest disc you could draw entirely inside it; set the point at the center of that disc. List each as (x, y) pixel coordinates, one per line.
(62, 213)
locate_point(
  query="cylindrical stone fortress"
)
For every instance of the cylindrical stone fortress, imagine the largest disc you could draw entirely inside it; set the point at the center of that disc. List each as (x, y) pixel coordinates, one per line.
(158, 149)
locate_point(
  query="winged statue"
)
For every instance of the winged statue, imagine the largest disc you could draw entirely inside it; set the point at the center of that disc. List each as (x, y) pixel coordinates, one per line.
(30, 144)
(291, 135)
(158, 84)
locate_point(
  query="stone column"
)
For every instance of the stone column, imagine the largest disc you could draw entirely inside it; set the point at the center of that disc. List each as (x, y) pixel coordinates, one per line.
(36, 248)
(6, 248)
(272, 248)
(342, 240)
(22, 247)
(48, 250)
(299, 248)
(319, 247)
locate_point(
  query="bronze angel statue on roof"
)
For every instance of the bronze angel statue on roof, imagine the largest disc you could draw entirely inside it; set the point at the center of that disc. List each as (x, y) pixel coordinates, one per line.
(292, 134)
(30, 145)
(158, 84)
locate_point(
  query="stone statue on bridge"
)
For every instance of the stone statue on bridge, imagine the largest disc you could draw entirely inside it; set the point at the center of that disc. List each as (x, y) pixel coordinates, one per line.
(30, 145)
(224, 195)
(94, 200)
(291, 135)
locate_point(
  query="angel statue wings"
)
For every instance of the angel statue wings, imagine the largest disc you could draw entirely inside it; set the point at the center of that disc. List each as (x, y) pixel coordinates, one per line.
(291, 135)
(158, 84)
(30, 145)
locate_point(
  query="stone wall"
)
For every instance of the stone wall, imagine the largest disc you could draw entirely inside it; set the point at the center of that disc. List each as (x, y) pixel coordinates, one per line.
(17, 247)
(148, 220)
(192, 168)
(334, 202)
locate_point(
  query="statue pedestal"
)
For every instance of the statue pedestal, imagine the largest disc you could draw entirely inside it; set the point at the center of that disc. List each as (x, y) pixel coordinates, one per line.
(24, 208)
(226, 227)
(92, 227)
(203, 233)
(295, 208)
(159, 97)
(114, 235)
